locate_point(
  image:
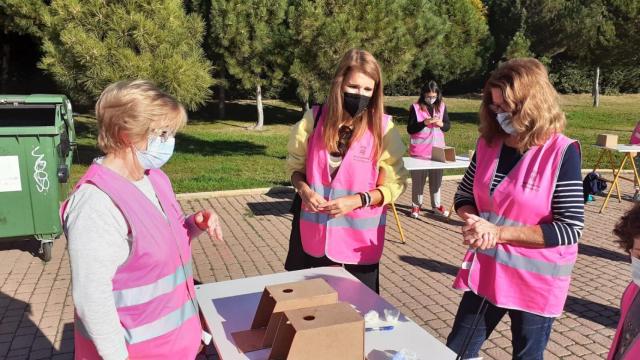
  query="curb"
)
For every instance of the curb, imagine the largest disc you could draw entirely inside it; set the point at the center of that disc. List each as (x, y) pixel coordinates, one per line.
(289, 189)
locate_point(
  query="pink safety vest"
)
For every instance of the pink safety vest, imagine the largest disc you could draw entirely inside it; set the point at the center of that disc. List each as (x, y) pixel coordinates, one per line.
(633, 352)
(635, 135)
(153, 290)
(422, 142)
(357, 237)
(535, 280)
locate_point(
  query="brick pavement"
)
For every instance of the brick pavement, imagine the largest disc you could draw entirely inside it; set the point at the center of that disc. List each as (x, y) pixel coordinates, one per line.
(36, 309)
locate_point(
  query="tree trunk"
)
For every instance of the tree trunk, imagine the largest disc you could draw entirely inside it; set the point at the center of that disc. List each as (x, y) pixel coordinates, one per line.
(4, 67)
(596, 88)
(221, 97)
(260, 123)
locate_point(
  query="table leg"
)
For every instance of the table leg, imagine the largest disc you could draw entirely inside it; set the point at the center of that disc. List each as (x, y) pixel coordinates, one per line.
(597, 166)
(395, 214)
(635, 169)
(615, 182)
(613, 166)
(452, 209)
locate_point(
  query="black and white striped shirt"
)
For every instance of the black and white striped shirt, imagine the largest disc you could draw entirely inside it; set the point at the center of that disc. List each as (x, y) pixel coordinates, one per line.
(567, 202)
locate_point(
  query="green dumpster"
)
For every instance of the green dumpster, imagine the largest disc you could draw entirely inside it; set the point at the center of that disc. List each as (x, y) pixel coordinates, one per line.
(36, 136)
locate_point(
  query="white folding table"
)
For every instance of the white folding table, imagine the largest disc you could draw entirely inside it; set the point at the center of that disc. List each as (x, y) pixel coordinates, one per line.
(229, 306)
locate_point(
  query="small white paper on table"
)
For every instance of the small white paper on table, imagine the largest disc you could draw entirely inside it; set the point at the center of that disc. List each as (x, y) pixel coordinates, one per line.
(10, 174)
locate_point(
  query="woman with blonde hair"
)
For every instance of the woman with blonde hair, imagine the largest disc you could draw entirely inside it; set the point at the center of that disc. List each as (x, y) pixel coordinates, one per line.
(345, 161)
(129, 242)
(521, 200)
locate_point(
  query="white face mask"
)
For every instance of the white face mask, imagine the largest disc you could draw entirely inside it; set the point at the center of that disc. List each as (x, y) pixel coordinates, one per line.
(158, 152)
(635, 270)
(504, 119)
(432, 101)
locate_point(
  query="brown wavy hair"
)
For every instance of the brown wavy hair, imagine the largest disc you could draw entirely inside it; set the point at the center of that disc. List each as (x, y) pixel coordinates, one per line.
(628, 228)
(362, 61)
(526, 89)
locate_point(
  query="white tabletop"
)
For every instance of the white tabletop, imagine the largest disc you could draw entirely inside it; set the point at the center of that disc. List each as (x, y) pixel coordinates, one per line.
(623, 148)
(229, 306)
(411, 163)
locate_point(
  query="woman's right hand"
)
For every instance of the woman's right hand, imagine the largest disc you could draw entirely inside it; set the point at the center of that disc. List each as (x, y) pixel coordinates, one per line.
(311, 200)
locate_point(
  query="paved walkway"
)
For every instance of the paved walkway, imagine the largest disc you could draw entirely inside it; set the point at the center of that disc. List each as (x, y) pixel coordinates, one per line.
(36, 309)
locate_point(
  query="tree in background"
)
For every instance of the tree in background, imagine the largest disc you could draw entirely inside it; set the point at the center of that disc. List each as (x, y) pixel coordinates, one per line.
(90, 44)
(394, 31)
(21, 17)
(250, 37)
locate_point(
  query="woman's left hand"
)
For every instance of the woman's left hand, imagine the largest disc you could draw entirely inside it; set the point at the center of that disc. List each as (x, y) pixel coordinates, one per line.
(207, 220)
(437, 122)
(479, 233)
(341, 206)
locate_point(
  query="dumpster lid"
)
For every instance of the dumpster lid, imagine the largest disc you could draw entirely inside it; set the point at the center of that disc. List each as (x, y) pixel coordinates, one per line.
(33, 99)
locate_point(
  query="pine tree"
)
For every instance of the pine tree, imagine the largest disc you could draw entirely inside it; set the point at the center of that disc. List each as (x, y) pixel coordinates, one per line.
(91, 43)
(250, 37)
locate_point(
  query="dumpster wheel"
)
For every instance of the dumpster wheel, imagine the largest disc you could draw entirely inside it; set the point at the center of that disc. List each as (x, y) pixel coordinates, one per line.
(45, 250)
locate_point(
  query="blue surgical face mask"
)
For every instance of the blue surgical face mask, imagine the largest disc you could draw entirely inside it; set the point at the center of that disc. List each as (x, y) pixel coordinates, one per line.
(159, 151)
(504, 119)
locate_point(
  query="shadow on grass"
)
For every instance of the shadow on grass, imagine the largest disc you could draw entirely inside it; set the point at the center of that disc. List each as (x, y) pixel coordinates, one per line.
(247, 112)
(187, 144)
(401, 115)
(430, 265)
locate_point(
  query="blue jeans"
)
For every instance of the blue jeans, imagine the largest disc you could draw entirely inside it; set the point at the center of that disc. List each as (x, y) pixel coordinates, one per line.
(530, 332)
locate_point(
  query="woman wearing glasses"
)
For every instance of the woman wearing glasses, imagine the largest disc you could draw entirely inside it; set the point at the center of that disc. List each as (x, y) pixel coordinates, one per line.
(521, 200)
(345, 161)
(428, 121)
(129, 242)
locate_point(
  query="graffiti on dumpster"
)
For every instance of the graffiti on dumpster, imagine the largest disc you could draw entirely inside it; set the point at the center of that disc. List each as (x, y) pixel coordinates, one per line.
(39, 174)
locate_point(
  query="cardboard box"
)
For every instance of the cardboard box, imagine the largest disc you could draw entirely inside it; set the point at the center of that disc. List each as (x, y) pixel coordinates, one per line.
(443, 154)
(274, 301)
(334, 331)
(607, 140)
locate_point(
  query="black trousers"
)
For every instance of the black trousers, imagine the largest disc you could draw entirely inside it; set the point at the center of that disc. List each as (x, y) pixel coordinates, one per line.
(297, 259)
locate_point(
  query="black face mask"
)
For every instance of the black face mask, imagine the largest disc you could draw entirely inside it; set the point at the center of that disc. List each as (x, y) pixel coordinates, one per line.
(355, 104)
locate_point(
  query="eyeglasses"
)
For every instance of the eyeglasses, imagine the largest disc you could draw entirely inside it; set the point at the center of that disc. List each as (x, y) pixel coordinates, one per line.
(344, 135)
(163, 134)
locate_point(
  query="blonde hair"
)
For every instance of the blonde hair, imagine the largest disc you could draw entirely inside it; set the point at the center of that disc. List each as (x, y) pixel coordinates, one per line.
(135, 108)
(526, 89)
(364, 62)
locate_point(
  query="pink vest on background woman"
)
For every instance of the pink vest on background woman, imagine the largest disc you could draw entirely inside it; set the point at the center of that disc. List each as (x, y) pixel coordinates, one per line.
(423, 141)
(635, 135)
(633, 352)
(535, 280)
(153, 290)
(354, 238)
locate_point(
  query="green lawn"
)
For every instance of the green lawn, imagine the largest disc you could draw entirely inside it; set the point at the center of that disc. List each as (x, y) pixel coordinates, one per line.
(222, 155)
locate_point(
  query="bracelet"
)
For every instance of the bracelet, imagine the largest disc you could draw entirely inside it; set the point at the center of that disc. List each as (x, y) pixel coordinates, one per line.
(363, 199)
(368, 197)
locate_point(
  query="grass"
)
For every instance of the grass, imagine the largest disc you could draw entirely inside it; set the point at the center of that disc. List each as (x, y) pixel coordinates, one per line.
(222, 155)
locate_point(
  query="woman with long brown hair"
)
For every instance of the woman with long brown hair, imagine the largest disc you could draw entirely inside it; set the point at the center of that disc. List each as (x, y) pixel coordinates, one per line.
(345, 161)
(521, 200)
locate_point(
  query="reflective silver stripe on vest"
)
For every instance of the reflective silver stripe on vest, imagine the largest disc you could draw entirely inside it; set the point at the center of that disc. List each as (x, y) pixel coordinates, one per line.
(344, 221)
(163, 325)
(532, 265)
(145, 293)
(325, 191)
(499, 219)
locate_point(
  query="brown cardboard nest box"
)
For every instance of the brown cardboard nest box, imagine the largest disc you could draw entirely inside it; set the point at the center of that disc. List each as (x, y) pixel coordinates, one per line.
(443, 154)
(274, 301)
(607, 140)
(334, 331)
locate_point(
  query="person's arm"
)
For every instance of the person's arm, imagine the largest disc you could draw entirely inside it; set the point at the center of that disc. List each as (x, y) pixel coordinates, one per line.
(464, 202)
(97, 238)
(297, 144)
(568, 213)
(446, 124)
(414, 126)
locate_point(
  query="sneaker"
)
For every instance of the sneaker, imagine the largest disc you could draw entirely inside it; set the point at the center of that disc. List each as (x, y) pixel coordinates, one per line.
(415, 212)
(440, 210)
